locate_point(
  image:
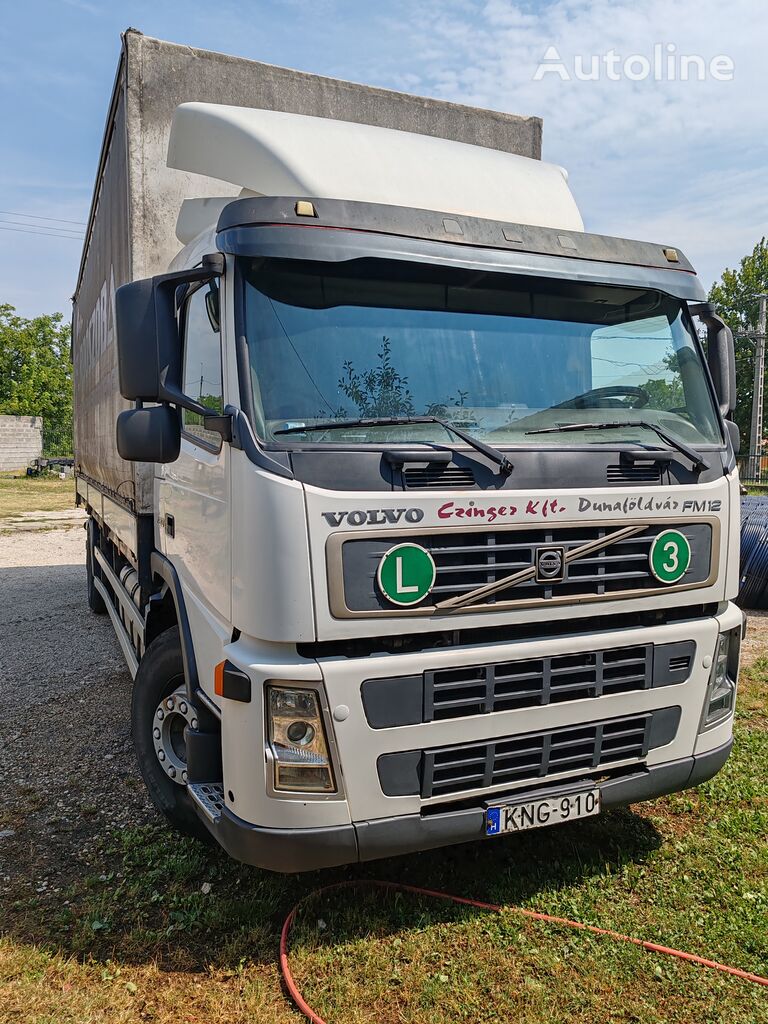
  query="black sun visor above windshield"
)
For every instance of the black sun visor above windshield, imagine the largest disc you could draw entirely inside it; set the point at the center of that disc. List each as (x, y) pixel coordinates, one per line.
(394, 284)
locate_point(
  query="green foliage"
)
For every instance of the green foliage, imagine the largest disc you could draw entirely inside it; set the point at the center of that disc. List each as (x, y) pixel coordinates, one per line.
(213, 402)
(665, 394)
(36, 374)
(381, 391)
(440, 409)
(735, 297)
(194, 422)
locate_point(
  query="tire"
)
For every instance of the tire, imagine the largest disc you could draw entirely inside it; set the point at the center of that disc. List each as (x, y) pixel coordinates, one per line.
(95, 600)
(160, 676)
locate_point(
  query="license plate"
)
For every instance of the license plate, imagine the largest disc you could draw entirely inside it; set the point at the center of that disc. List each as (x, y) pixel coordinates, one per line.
(517, 817)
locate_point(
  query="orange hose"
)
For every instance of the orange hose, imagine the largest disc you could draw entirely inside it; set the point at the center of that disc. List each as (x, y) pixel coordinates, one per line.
(652, 947)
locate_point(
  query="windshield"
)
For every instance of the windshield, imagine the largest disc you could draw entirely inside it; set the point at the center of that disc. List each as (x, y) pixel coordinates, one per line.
(498, 355)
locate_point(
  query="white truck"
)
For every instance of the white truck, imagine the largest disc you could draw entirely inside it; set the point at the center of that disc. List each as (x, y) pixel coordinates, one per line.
(414, 505)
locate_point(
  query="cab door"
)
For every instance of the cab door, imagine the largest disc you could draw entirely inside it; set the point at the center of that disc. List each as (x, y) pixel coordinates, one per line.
(193, 500)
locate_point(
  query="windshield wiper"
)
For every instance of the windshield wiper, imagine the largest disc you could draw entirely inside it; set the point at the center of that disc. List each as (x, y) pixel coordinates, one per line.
(501, 460)
(674, 442)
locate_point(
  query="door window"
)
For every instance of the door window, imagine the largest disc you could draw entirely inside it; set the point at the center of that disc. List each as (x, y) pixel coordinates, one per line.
(202, 361)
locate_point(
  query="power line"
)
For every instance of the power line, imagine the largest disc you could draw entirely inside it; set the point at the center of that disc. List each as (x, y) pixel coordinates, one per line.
(39, 230)
(35, 216)
(42, 231)
(41, 227)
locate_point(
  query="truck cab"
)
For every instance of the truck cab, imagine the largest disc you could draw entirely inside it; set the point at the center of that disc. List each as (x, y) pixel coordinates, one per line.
(445, 506)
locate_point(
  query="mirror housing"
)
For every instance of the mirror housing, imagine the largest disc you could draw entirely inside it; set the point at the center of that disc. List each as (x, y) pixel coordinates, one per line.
(148, 344)
(735, 436)
(151, 434)
(721, 356)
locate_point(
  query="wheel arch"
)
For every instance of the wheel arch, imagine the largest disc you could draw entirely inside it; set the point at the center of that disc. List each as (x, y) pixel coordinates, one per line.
(167, 609)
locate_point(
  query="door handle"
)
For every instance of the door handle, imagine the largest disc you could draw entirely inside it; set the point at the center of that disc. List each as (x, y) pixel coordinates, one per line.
(170, 524)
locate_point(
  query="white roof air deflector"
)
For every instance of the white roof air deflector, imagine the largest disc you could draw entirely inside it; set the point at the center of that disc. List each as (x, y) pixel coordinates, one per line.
(278, 154)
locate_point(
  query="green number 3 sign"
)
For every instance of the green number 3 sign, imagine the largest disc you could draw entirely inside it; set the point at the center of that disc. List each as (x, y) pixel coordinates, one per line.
(670, 556)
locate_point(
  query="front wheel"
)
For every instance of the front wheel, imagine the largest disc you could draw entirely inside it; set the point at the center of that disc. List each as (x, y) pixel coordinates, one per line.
(160, 711)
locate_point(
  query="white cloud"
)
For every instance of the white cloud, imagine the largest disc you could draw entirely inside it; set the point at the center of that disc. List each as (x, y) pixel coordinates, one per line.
(681, 163)
(679, 160)
(82, 5)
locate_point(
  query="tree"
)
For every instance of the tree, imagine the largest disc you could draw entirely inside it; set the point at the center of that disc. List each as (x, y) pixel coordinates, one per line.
(665, 394)
(381, 391)
(735, 297)
(36, 374)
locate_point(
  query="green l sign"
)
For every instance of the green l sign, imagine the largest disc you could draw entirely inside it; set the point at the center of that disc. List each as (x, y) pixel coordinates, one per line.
(406, 574)
(670, 556)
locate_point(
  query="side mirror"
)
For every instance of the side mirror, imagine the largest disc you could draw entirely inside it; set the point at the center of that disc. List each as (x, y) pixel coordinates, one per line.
(151, 434)
(735, 436)
(138, 341)
(148, 342)
(721, 356)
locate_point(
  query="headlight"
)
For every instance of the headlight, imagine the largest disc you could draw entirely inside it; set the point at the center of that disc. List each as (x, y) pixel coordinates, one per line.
(721, 691)
(297, 740)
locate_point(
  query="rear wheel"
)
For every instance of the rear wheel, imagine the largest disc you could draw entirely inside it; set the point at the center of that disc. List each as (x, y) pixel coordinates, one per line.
(95, 600)
(160, 711)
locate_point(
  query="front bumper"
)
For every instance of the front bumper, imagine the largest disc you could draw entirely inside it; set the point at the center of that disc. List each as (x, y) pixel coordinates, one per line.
(290, 850)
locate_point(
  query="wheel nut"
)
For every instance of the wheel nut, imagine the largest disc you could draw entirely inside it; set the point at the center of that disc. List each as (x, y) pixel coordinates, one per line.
(160, 714)
(156, 733)
(193, 723)
(183, 708)
(169, 703)
(161, 755)
(184, 776)
(172, 772)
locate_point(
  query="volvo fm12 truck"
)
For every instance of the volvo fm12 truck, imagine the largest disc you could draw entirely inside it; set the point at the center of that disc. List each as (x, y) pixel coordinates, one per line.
(413, 504)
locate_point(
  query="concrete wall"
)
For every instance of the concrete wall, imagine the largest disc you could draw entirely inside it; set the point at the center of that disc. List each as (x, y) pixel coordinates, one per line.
(21, 440)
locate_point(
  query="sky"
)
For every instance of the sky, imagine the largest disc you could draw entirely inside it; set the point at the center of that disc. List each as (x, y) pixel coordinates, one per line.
(649, 155)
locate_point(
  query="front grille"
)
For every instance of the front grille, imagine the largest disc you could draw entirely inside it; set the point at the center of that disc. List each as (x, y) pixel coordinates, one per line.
(459, 768)
(456, 692)
(461, 691)
(482, 689)
(445, 477)
(455, 769)
(508, 760)
(466, 560)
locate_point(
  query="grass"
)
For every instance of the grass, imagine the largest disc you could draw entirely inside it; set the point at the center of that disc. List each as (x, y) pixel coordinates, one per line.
(34, 494)
(162, 929)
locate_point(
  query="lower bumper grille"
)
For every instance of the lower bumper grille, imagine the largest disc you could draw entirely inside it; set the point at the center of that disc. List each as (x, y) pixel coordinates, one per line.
(582, 748)
(453, 693)
(460, 691)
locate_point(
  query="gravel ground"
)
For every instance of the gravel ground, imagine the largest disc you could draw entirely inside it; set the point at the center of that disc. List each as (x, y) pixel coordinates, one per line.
(756, 641)
(66, 758)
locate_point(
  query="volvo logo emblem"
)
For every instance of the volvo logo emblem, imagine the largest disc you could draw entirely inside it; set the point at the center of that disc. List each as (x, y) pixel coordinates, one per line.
(550, 564)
